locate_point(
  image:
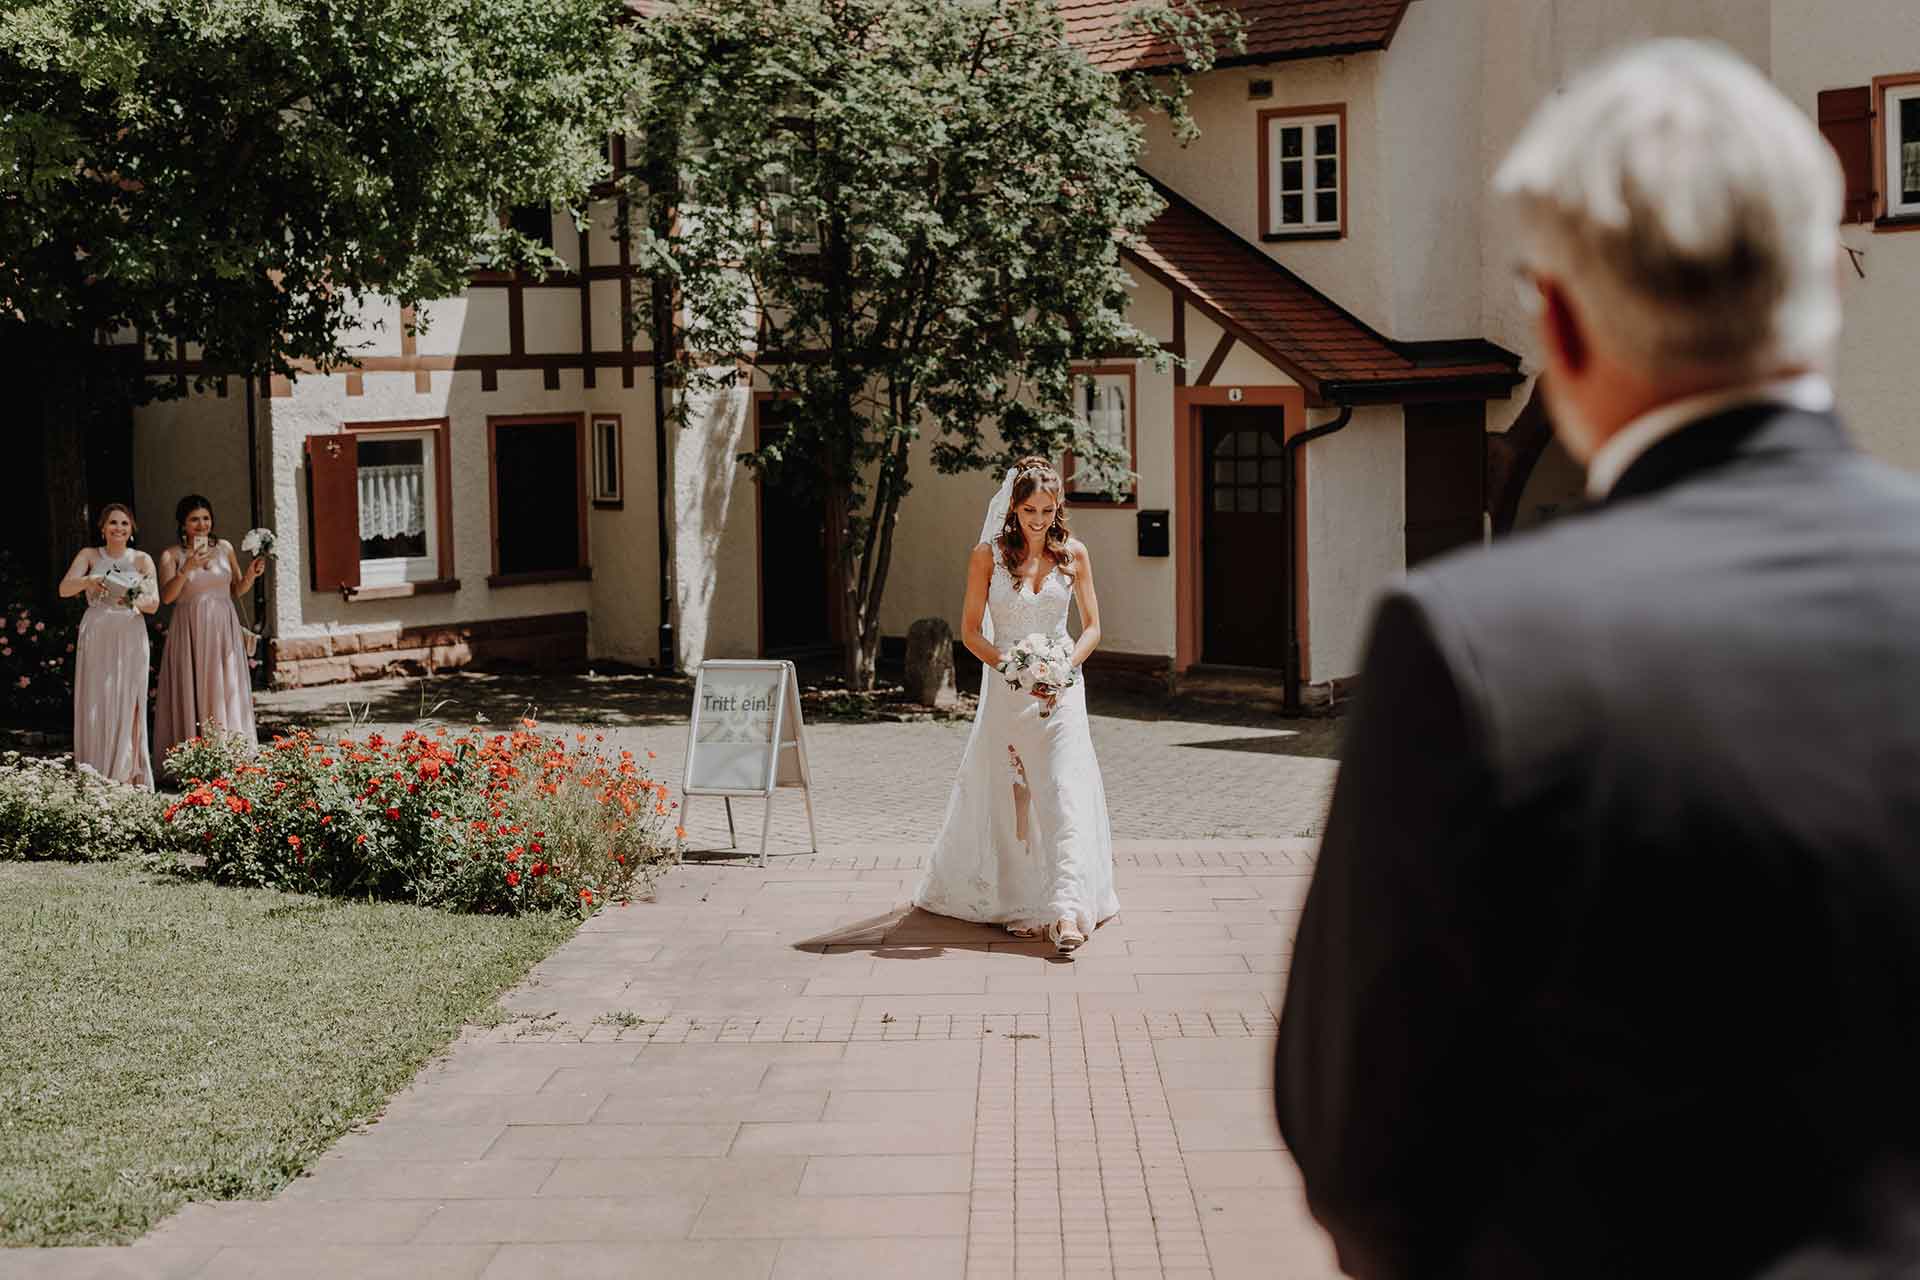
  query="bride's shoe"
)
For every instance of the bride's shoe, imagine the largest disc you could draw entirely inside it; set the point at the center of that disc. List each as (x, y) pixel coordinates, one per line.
(1025, 933)
(1065, 936)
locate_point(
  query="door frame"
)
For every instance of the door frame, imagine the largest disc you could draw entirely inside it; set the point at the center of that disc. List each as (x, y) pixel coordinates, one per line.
(835, 631)
(1189, 440)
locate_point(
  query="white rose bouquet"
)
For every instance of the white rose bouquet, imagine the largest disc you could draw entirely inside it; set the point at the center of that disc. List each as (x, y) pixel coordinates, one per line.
(1039, 665)
(124, 587)
(258, 542)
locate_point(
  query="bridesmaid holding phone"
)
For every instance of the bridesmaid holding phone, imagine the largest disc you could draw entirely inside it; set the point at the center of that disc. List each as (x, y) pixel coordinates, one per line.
(204, 680)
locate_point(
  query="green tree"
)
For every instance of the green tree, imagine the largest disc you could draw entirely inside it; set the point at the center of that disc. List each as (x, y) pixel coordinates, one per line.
(233, 173)
(902, 216)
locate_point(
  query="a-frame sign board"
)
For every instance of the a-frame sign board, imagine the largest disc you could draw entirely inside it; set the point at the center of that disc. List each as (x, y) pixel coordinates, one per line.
(745, 738)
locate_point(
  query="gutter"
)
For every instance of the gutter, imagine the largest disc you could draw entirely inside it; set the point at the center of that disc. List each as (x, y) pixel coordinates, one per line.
(1290, 672)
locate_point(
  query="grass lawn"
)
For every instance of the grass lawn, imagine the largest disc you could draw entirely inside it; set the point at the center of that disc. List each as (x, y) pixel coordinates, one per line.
(165, 1042)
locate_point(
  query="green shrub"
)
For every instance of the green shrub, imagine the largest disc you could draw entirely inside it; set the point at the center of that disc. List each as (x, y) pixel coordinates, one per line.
(51, 810)
(507, 822)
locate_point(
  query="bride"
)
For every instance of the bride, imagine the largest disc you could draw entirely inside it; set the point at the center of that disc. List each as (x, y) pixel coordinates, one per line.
(1026, 842)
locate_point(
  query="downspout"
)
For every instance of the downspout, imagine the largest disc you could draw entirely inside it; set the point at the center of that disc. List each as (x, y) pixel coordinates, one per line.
(1290, 673)
(260, 618)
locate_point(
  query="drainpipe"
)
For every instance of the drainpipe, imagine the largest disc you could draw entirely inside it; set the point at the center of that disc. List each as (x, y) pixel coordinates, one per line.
(1290, 673)
(660, 304)
(260, 619)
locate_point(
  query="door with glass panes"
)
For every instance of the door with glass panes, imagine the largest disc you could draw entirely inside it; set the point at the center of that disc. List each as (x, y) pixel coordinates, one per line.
(1243, 548)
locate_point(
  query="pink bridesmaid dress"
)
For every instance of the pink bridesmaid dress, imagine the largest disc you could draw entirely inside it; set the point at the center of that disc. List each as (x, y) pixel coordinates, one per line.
(110, 686)
(204, 683)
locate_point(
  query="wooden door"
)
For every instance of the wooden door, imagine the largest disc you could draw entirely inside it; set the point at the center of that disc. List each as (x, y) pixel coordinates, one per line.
(1446, 460)
(796, 570)
(1243, 551)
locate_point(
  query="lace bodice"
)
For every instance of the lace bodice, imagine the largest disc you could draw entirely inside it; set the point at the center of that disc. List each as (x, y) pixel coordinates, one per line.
(1017, 613)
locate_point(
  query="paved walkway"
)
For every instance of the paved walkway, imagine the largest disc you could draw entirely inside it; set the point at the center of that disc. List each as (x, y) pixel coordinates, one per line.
(789, 1073)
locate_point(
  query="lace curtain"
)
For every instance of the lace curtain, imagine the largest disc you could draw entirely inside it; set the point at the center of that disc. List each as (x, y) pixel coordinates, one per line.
(393, 501)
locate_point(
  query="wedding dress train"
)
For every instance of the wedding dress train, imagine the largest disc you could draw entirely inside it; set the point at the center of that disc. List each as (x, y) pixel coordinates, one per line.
(982, 869)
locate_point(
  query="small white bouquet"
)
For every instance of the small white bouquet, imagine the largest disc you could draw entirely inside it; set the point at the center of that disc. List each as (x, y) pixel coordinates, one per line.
(124, 587)
(258, 542)
(1039, 665)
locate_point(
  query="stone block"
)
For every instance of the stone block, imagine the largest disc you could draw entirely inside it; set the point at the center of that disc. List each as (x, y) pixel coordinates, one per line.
(930, 663)
(376, 638)
(389, 662)
(325, 671)
(301, 648)
(443, 657)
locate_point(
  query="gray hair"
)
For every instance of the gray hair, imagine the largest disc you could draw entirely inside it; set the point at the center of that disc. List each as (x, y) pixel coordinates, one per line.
(1689, 206)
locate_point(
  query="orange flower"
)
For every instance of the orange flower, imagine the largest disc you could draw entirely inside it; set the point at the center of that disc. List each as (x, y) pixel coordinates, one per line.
(294, 841)
(586, 895)
(680, 833)
(361, 838)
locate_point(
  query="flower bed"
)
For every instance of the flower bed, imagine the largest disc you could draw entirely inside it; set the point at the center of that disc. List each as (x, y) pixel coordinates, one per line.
(503, 822)
(50, 810)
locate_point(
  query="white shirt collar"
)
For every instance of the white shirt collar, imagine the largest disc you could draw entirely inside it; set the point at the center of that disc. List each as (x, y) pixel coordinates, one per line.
(1808, 391)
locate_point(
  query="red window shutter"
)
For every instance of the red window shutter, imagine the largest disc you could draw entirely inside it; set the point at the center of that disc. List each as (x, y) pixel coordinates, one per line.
(333, 509)
(1846, 119)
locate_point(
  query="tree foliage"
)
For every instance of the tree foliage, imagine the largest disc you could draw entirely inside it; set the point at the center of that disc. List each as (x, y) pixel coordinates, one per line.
(234, 172)
(900, 216)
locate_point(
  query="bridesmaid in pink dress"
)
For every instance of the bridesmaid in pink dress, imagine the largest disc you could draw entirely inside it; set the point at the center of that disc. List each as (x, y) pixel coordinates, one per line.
(204, 680)
(111, 658)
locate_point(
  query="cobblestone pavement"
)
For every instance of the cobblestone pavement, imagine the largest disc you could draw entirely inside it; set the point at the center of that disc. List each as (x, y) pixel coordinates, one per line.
(1171, 773)
(788, 1073)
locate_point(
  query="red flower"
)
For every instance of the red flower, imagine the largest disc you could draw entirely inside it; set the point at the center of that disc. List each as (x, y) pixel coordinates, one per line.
(513, 878)
(586, 895)
(361, 838)
(325, 819)
(294, 841)
(537, 869)
(535, 846)
(394, 814)
(513, 854)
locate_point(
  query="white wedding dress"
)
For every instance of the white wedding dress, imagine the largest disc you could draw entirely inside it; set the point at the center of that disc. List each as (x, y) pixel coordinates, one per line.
(981, 870)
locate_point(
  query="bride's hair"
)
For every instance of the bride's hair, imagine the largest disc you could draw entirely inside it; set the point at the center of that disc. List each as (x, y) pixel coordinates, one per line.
(1035, 474)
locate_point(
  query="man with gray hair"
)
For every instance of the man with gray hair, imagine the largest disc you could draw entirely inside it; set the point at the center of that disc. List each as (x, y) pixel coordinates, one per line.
(1611, 961)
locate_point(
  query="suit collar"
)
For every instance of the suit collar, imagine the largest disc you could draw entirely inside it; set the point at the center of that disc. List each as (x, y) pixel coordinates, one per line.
(1748, 431)
(1809, 391)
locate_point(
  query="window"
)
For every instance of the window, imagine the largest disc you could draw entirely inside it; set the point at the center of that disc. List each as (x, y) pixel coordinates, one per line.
(1302, 173)
(534, 221)
(606, 461)
(537, 466)
(1103, 401)
(1899, 152)
(380, 509)
(398, 499)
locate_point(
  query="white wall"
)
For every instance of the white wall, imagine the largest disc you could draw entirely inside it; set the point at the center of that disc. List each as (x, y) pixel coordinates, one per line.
(1220, 172)
(193, 445)
(1356, 533)
(1875, 373)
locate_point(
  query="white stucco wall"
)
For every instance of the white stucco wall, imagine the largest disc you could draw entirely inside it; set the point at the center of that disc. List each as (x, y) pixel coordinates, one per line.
(1220, 171)
(1875, 373)
(1356, 533)
(193, 445)
(1429, 195)
(716, 551)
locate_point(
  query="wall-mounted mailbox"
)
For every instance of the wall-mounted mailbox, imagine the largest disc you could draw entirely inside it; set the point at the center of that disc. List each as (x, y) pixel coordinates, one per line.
(1153, 532)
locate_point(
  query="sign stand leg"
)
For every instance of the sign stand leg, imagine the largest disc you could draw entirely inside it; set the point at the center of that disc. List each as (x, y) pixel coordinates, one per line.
(766, 829)
(733, 841)
(813, 832)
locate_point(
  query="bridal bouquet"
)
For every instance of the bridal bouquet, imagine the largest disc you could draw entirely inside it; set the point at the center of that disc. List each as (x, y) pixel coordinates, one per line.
(1039, 665)
(124, 587)
(258, 542)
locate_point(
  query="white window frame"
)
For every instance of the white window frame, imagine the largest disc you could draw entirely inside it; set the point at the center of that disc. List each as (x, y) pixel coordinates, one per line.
(1889, 105)
(393, 571)
(608, 490)
(1112, 378)
(1308, 125)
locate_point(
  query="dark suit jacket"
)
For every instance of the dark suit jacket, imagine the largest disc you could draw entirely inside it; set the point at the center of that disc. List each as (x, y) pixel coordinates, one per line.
(1611, 961)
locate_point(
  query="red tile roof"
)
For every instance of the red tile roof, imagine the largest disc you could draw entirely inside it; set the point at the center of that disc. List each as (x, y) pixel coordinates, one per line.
(1330, 350)
(1275, 30)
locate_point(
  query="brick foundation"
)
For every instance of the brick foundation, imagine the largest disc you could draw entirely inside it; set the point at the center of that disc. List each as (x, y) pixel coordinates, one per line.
(545, 641)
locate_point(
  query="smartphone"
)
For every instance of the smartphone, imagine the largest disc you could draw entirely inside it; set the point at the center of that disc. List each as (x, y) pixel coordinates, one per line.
(199, 543)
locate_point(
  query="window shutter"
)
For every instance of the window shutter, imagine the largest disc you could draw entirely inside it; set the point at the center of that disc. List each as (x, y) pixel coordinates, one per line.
(1846, 119)
(333, 509)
